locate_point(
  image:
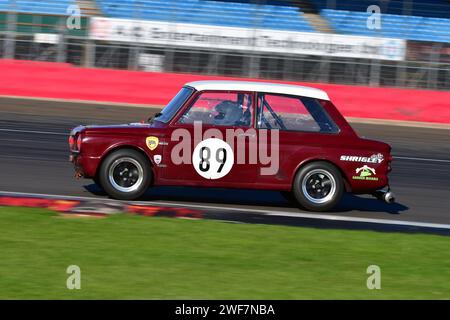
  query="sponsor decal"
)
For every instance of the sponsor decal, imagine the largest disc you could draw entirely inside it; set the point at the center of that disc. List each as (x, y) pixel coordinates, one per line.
(375, 158)
(365, 173)
(157, 158)
(378, 157)
(152, 142)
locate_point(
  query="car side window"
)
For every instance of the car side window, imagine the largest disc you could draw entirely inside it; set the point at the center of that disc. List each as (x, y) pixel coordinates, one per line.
(220, 108)
(293, 113)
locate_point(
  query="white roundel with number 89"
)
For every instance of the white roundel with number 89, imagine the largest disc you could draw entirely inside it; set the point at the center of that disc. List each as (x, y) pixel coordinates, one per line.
(213, 158)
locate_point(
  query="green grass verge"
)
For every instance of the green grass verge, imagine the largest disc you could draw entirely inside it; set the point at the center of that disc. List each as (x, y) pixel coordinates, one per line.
(133, 257)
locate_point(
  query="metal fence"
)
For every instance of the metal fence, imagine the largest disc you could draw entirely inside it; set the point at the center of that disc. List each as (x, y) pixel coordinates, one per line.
(88, 53)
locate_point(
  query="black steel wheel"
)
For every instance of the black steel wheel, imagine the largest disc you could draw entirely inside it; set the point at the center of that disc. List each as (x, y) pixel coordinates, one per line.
(125, 174)
(318, 186)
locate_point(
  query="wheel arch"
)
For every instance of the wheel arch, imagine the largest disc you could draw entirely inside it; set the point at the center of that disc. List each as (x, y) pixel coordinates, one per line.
(124, 147)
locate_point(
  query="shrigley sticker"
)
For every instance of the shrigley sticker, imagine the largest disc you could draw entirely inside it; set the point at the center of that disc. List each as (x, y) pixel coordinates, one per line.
(375, 158)
(152, 142)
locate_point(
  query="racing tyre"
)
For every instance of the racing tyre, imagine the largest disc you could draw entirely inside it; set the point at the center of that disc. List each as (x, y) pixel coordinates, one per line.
(125, 174)
(318, 186)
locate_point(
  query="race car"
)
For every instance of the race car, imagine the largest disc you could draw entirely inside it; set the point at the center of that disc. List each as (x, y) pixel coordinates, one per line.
(236, 134)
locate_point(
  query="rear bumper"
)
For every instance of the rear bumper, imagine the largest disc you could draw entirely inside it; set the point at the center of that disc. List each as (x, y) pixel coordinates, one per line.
(84, 166)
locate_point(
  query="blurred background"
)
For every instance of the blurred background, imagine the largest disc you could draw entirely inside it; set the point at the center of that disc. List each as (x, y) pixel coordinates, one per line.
(377, 43)
(69, 62)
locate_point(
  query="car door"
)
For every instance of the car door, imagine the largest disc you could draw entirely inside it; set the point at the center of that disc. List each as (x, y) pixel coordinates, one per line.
(211, 139)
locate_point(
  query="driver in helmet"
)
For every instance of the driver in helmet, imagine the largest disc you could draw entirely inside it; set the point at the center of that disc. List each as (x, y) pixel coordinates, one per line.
(228, 113)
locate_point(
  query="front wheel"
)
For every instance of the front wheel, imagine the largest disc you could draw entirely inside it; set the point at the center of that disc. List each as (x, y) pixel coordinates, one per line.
(318, 186)
(125, 174)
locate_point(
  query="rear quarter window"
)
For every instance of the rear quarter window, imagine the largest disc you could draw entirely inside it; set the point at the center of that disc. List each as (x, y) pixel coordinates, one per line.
(293, 113)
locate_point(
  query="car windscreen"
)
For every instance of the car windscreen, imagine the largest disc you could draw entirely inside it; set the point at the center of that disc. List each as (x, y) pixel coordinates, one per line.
(174, 105)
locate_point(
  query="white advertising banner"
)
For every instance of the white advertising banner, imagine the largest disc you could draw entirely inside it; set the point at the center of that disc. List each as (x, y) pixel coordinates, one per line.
(245, 39)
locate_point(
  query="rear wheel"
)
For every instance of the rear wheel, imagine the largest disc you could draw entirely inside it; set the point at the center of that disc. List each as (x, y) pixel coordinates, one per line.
(318, 186)
(125, 174)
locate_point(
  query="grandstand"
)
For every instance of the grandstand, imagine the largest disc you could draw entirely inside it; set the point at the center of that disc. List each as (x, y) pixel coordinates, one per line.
(223, 13)
(425, 21)
(32, 6)
(427, 24)
(421, 8)
(393, 26)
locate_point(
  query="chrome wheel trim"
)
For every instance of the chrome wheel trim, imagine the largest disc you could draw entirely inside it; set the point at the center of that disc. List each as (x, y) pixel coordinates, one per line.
(126, 174)
(322, 182)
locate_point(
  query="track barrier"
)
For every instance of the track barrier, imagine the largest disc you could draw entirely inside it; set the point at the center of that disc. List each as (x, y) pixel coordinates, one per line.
(63, 81)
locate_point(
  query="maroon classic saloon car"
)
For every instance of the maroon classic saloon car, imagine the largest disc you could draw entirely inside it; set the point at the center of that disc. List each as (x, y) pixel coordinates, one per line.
(232, 134)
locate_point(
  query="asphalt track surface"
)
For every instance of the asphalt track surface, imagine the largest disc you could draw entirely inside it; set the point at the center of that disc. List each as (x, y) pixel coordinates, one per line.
(34, 159)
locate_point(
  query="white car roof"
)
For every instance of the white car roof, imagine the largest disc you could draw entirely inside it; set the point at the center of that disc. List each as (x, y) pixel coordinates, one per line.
(259, 87)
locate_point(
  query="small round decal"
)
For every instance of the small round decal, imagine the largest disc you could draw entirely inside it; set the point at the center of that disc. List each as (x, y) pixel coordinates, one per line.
(213, 158)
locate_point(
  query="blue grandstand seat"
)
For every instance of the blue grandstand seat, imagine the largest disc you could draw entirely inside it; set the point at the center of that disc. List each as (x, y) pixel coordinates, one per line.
(420, 8)
(392, 26)
(223, 13)
(30, 6)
